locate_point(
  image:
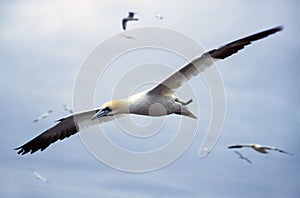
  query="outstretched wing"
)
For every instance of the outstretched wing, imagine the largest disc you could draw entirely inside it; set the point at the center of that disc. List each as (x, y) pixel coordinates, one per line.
(238, 146)
(276, 149)
(65, 128)
(235, 146)
(124, 21)
(242, 156)
(282, 151)
(238, 153)
(249, 161)
(199, 64)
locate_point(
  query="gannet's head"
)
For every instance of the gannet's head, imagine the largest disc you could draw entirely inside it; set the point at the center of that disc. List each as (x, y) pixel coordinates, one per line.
(253, 145)
(111, 108)
(256, 146)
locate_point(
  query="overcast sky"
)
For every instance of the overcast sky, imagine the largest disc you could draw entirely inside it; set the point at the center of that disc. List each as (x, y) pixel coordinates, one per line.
(43, 44)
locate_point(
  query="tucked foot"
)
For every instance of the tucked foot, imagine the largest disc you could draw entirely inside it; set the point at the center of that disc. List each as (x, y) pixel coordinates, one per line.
(184, 103)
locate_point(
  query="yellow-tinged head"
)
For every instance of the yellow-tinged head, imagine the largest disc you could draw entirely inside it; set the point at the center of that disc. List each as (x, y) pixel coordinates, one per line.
(111, 108)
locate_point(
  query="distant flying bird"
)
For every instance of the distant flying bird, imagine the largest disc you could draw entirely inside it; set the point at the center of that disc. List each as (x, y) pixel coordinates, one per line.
(67, 108)
(130, 17)
(142, 102)
(241, 156)
(158, 16)
(127, 36)
(258, 148)
(38, 176)
(45, 115)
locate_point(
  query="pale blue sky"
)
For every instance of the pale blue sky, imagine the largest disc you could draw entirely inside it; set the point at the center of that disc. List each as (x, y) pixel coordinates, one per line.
(43, 44)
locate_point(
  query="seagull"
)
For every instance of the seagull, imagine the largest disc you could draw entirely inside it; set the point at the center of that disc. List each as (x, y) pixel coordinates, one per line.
(38, 176)
(130, 17)
(258, 148)
(43, 116)
(67, 108)
(140, 103)
(158, 16)
(241, 156)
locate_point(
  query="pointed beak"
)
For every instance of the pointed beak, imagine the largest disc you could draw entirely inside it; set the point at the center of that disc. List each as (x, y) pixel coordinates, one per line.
(101, 113)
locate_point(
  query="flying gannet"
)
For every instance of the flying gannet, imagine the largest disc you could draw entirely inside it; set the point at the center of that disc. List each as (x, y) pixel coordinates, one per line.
(241, 156)
(140, 103)
(43, 116)
(258, 148)
(127, 36)
(158, 16)
(38, 176)
(130, 17)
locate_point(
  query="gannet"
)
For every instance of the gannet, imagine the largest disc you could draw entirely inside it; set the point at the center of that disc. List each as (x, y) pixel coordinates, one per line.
(241, 156)
(130, 17)
(127, 36)
(38, 176)
(143, 103)
(158, 16)
(43, 116)
(67, 108)
(258, 148)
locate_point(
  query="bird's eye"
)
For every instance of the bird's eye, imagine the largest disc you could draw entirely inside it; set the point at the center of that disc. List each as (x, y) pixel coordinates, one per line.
(107, 109)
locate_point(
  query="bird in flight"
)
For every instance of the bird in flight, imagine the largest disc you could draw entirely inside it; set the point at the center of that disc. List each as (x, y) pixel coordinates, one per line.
(258, 148)
(158, 16)
(127, 36)
(140, 103)
(130, 17)
(38, 176)
(67, 108)
(43, 116)
(241, 156)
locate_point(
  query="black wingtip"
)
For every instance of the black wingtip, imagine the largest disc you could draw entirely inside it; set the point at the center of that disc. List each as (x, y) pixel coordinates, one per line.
(279, 28)
(235, 46)
(276, 29)
(20, 150)
(235, 146)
